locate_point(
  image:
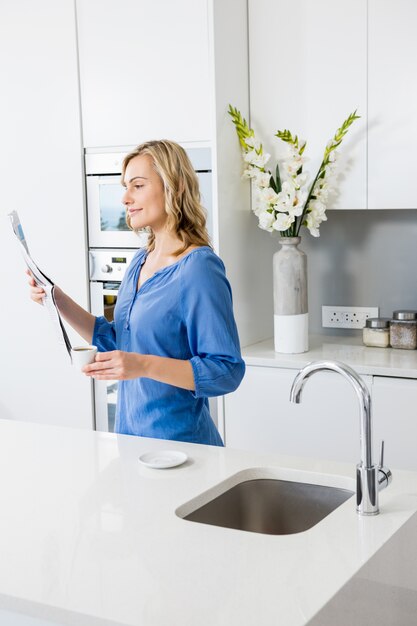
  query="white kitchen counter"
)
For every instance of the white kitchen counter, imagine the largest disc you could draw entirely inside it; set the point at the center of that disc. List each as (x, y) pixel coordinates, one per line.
(89, 536)
(349, 350)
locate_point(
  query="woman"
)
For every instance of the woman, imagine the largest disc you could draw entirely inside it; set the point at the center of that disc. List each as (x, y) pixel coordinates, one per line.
(174, 341)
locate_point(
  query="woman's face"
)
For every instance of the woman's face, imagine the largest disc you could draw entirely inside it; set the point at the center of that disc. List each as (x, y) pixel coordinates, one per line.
(144, 197)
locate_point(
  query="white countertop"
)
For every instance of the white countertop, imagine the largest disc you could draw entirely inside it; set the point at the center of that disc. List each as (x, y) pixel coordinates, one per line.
(349, 350)
(89, 536)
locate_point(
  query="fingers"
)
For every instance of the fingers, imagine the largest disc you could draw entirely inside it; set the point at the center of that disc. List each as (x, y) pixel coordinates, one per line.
(105, 367)
(100, 371)
(107, 356)
(37, 294)
(96, 367)
(102, 361)
(105, 376)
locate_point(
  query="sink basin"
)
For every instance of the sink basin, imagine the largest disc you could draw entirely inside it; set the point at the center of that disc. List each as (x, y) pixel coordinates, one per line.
(269, 506)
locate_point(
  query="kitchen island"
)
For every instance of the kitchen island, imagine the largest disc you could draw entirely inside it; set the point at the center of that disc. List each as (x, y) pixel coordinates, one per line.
(89, 536)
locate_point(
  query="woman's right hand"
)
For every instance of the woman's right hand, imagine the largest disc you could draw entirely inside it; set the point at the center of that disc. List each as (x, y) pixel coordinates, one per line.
(37, 294)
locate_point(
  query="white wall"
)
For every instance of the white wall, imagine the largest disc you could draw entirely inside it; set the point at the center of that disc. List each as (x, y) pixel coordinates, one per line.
(41, 170)
(245, 250)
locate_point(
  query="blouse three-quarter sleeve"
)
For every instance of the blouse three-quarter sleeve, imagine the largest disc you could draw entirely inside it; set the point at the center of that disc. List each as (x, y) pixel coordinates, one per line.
(217, 364)
(104, 335)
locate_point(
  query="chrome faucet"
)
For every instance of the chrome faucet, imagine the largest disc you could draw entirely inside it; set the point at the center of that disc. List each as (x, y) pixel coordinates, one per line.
(370, 478)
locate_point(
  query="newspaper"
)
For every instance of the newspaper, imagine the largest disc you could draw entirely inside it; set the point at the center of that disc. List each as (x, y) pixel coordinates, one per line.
(42, 281)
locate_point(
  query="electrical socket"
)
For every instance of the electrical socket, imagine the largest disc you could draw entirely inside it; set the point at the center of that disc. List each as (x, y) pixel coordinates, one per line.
(347, 316)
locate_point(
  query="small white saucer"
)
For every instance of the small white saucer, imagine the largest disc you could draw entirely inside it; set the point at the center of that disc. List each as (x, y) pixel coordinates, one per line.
(163, 459)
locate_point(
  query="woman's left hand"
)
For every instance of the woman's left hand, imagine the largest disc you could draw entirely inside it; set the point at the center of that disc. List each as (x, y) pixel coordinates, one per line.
(116, 365)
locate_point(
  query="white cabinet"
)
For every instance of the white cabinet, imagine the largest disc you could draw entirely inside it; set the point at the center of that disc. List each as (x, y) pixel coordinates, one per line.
(325, 425)
(307, 73)
(144, 71)
(41, 166)
(311, 63)
(395, 420)
(392, 105)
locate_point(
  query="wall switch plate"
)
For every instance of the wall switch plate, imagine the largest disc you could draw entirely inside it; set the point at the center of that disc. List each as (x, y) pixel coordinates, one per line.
(347, 316)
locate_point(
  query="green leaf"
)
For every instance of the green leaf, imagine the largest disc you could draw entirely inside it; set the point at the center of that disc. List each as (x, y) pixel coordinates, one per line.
(242, 127)
(285, 135)
(278, 179)
(273, 184)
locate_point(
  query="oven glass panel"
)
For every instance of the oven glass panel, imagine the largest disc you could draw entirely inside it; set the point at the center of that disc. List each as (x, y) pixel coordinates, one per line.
(112, 210)
(110, 291)
(109, 299)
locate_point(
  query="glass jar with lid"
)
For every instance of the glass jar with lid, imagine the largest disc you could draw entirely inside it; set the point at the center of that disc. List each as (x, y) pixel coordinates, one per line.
(403, 330)
(376, 332)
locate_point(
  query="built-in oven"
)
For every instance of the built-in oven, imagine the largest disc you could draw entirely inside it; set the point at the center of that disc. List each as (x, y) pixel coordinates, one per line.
(106, 213)
(107, 268)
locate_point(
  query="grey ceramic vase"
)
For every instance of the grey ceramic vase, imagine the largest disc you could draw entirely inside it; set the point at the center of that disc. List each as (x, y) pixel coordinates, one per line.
(290, 297)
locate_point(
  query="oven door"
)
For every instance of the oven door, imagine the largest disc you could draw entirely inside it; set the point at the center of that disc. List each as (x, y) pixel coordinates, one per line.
(103, 300)
(107, 226)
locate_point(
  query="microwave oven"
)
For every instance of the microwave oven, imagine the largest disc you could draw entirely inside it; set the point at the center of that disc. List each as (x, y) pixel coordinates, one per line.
(106, 213)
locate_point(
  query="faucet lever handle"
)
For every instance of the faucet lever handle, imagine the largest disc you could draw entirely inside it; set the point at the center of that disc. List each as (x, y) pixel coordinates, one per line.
(384, 473)
(381, 457)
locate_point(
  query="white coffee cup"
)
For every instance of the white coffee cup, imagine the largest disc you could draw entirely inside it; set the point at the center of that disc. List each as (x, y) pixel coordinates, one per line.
(83, 355)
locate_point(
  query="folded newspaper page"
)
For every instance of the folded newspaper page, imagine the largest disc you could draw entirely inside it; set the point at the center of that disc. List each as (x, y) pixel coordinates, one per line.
(42, 281)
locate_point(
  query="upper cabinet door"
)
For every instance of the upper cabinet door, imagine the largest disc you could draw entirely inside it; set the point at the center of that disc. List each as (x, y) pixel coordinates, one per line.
(307, 73)
(144, 71)
(392, 104)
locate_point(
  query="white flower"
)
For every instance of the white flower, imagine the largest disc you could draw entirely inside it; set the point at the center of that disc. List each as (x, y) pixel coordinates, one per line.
(251, 142)
(321, 194)
(292, 165)
(286, 198)
(314, 231)
(262, 178)
(268, 195)
(259, 205)
(266, 219)
(283, 221)
(321, 189)
(250, 172)
(301, 179)
(259, 160)
(333, 156)
(262, 160)
(249, 156)
(313, 225)
(298, 203)
(317, 210)
(292, 151)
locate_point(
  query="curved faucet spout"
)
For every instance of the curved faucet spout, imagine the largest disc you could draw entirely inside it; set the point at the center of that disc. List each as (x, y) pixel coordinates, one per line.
(368, 476)
(362, 394)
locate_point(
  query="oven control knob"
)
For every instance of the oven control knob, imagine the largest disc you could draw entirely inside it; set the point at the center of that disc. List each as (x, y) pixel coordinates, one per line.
(107, 269)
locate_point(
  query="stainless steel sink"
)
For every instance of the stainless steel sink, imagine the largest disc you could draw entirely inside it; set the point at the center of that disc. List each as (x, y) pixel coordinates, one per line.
(272, 507)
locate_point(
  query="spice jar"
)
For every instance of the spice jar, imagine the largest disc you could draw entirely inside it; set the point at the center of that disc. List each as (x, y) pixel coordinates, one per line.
(376, 332)
(403, 330)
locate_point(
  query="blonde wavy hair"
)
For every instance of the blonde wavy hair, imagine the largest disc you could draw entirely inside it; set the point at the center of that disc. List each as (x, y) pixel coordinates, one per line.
(186, 216)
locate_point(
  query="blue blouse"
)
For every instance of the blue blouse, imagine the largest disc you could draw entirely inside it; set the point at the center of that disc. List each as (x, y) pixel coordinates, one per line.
(184, 311)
